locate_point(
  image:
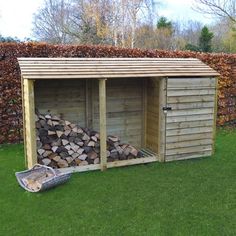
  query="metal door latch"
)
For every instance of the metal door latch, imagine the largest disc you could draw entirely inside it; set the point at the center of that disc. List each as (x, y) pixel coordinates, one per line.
(165, 109)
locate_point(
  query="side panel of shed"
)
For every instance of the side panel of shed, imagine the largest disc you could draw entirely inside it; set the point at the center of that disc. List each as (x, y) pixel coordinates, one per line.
(190, 123)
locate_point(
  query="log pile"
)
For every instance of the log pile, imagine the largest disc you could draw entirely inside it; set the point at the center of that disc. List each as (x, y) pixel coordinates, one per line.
(61, 143)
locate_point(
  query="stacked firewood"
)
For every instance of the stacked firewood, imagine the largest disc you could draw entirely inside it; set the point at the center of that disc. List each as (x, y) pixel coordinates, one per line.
(61, 143)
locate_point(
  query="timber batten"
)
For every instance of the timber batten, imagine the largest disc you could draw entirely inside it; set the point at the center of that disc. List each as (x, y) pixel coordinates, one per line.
(125, 97)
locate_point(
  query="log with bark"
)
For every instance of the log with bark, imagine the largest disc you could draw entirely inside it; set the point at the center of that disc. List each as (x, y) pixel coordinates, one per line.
(61, 143)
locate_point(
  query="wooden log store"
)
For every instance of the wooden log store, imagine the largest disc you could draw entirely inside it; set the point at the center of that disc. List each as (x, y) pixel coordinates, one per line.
(164, 107)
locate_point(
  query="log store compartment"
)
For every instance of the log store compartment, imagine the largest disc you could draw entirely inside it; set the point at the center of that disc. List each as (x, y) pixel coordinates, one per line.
(164, 107)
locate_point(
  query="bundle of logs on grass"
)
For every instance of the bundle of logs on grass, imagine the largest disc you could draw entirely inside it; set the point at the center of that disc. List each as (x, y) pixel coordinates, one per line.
(62, 144)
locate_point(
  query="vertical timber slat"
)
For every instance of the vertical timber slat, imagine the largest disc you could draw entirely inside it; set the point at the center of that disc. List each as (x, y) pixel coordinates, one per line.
(162, 119)
(215, 116)
(102, 123)
(29, 116)
(144, 108)
(23, 118)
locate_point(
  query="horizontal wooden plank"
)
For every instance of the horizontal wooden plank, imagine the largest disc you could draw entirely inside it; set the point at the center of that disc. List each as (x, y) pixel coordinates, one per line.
(191, 105)
(102, 59)
(80, 168)
(186, 83)
(186, 150)
(188, 137)
(189, 112)
(191, 99)
(188, 143)
(132, 162)
(189, 124)
(173, 119)
(117, 75)
(194, 92)
(196, 130)
(188, 156)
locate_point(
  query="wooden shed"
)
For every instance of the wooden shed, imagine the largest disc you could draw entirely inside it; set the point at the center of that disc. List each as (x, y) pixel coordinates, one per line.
(166, 107)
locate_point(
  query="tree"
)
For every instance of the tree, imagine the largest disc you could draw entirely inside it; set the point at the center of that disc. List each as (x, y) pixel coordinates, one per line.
(9, 39)
(205, 40)
(164, 33)
(163, 23)
(50, 21)
(218, 8)
(192, 47)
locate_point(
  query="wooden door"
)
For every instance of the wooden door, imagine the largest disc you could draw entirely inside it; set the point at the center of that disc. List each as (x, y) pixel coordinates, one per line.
(190, 122)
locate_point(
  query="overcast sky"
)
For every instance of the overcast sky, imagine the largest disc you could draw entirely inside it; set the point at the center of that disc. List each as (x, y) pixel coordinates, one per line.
(16, 15)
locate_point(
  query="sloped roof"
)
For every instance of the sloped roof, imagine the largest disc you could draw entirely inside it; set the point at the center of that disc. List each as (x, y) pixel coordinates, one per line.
(76, 68)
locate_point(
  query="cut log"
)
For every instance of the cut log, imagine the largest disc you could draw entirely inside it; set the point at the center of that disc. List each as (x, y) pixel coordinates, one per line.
(54, 148)
(69, 159)
(70, 152)
(47, 153)
(113, 138)
(49, 122)
(41, 151)
(82, 157)
(56, 158)
(55, 118)
(67, 123)
(64, 142)
(83, 163)
(62, 163)
(55, 123)
(46, 161)
(59, 133)
(92, 155)
(91, 144)
(48, 116)
(67, 132)
(85, 137)
(75, 155)
(51, 132)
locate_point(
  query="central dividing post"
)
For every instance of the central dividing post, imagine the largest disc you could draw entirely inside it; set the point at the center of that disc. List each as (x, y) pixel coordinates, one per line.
(102, 123)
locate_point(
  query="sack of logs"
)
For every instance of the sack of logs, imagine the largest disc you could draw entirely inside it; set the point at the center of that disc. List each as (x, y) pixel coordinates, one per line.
(61, 143)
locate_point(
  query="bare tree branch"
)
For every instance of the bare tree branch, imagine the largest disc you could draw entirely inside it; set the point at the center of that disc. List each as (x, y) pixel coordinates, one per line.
(218, 8)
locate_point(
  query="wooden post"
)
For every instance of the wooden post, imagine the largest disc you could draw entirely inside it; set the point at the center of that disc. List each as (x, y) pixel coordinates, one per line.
(102, 123)
(29, 119)
(162, 119)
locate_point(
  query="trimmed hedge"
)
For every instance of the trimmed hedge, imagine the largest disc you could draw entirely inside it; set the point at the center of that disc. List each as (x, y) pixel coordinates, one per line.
(10, 84)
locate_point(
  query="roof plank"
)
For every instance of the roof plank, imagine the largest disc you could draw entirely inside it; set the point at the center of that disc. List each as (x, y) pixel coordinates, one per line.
(71, 68)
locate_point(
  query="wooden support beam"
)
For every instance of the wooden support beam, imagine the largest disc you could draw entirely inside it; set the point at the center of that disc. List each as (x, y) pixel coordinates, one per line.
(102, 123)
(162, 119)
(29, 118)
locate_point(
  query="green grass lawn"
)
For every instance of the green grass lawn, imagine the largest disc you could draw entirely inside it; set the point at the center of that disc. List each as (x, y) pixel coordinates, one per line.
(194, 197)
